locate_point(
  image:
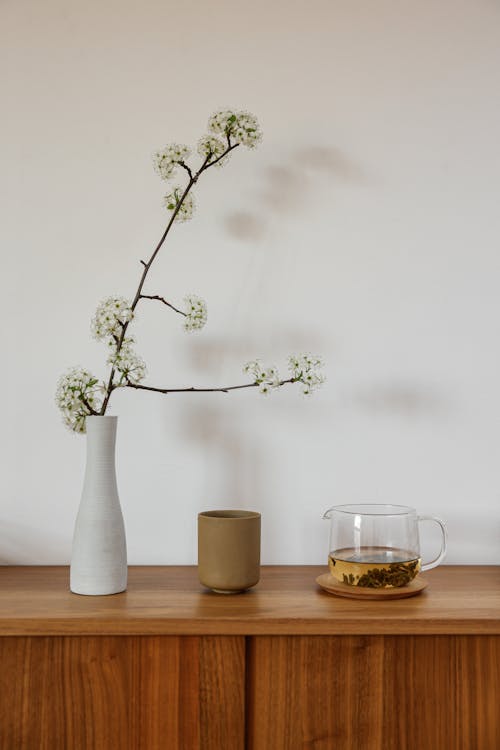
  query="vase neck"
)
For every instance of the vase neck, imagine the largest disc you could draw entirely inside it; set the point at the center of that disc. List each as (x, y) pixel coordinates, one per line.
(101, 436)
(100, 476)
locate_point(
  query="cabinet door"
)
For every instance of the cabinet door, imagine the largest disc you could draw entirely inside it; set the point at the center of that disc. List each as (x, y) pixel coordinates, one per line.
(122, 693)
(374, 693)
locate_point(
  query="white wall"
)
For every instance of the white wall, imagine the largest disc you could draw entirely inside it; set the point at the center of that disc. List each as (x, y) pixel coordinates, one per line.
(365, 228)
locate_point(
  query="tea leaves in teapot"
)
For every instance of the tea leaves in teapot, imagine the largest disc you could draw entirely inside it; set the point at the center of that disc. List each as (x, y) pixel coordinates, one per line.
(373, 567)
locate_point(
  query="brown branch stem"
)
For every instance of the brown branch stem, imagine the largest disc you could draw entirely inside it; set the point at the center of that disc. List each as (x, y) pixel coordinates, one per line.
(187, 168)
(225, 389)
(84, 401)
(162, 299)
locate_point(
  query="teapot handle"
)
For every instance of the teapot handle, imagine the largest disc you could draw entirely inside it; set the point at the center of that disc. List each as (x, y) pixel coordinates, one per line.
(442, 552)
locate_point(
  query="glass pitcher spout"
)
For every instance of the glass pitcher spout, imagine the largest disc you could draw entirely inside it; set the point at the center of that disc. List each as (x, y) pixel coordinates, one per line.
(327, 514)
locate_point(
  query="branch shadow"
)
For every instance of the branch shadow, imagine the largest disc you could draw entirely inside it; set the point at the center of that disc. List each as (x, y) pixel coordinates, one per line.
(333, 162)
(287, 188)
(403, 399)
(245, 226)
(274, 350)
(238, 462)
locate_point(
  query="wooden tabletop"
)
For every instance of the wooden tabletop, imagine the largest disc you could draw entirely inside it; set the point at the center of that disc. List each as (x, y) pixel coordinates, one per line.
(170, 601)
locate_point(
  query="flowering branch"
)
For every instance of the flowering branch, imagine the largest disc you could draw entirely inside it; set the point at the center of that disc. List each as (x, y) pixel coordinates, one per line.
(157, 249)
(79, 394)
(147, 266)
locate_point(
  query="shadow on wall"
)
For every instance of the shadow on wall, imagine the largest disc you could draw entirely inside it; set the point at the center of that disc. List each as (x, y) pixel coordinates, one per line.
(238, 462)
(26, 545)
(288, 188)
(244, 226)
(278, 345)
(409, 400)
(333, 162)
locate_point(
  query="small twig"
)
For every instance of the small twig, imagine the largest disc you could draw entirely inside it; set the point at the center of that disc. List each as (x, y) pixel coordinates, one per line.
(162, 299)
(211, 163)
(84, 401)
(187, 168)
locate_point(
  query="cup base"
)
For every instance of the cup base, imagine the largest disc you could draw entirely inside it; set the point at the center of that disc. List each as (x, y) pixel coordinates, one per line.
(227, 591)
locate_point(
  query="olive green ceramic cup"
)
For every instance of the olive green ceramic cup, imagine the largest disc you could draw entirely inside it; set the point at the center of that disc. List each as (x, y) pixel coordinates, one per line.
(229, 550)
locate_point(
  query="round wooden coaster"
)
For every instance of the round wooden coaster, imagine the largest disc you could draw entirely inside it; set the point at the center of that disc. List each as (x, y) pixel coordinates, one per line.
(329, 584)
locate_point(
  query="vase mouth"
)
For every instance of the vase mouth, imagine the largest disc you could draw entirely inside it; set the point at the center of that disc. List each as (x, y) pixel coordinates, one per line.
(95, 424)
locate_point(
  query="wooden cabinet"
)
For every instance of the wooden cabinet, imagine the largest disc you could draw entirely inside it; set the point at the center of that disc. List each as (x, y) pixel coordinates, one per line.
(107, 692)
(167, 665)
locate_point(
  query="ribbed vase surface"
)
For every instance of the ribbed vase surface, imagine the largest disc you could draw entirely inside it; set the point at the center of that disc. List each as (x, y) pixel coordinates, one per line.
(99, 554)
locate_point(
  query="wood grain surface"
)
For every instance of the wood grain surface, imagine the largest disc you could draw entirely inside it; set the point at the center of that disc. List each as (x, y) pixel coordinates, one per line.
(374, 693)
(170, 601)
(122, 693)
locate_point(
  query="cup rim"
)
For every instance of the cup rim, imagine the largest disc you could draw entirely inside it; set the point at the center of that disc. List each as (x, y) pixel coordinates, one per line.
(229, 514)
(374, 509)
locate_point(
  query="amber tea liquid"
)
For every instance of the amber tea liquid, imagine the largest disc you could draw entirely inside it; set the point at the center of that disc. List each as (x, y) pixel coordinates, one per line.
(374, 567)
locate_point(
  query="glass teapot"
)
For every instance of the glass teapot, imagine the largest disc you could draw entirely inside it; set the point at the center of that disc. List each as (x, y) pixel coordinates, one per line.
(377, 545)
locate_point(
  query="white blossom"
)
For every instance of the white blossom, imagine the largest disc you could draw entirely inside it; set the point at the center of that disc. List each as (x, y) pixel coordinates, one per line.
(212, 147)
(172, 200)
(196, 313)
(238, 125)
(266, 378)
(111, 314)
(306, 369)
(78, 394)
(165, 160)
(130, 367)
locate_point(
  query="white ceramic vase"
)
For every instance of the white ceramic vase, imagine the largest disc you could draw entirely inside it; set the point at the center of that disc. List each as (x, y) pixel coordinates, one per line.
(99, 555)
